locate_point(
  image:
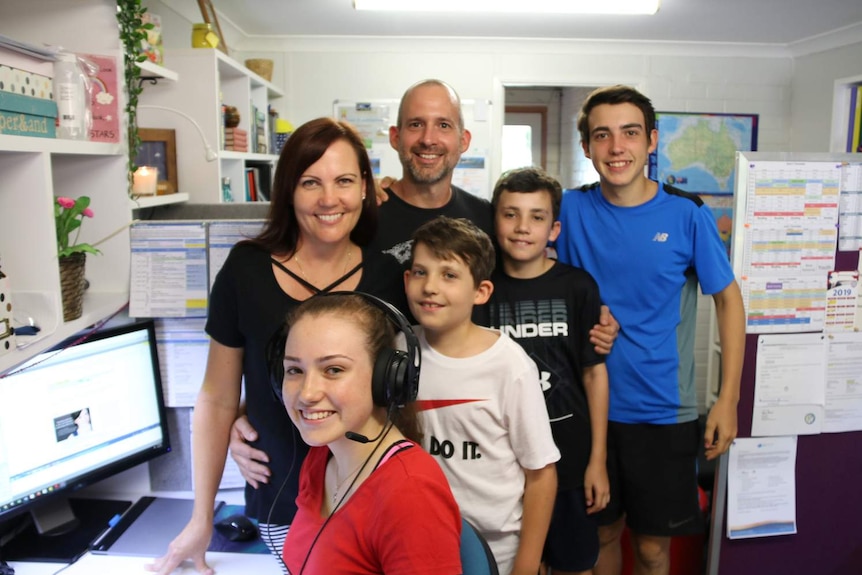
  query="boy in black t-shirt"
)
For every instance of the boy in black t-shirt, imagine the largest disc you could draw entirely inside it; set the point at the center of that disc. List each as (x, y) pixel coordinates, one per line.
(549, 308)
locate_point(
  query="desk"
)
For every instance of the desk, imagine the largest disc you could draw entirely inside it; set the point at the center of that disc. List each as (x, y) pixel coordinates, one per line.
(223, 563)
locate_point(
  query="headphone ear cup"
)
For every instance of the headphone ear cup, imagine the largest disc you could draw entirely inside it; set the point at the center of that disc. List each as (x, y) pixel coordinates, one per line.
(388, 380)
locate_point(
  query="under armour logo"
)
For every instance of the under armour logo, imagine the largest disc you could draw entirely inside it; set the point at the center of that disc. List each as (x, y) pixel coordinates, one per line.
(660, 237)
(545, 380)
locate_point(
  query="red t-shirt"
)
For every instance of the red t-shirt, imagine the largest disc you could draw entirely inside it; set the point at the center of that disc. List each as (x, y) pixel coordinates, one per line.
(401, 520)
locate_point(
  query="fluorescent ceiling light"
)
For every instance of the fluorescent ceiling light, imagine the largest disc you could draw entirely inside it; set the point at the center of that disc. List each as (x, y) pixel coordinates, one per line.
(521, 6)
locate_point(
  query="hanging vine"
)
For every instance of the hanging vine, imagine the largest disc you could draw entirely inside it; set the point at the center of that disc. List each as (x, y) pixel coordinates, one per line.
(132, 32)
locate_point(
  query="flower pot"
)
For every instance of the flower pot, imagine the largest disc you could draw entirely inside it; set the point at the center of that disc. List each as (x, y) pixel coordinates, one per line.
(72, 285)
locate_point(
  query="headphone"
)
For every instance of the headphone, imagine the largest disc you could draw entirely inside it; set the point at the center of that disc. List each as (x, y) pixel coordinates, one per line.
(395, 375)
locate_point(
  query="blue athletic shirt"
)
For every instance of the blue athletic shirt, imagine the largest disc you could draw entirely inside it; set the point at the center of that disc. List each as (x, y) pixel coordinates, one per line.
(648, 260)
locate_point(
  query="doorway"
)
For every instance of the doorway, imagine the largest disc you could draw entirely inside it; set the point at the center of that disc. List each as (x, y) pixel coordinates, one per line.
(540, 130)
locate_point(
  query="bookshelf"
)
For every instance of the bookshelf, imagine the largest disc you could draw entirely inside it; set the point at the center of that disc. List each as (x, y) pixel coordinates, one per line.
(210, 79)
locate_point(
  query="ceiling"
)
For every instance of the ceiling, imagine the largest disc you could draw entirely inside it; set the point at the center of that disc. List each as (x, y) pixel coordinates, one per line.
(777, 22)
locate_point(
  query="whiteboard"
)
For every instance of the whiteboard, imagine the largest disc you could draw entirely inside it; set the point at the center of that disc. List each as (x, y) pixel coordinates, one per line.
(374, 117)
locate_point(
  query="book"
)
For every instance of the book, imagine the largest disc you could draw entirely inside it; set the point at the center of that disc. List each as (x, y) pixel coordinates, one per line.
(854, 129)
(263, 174)
(250, 185)
(104, 102)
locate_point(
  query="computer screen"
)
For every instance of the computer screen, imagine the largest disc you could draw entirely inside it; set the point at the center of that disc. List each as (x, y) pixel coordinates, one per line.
(75, 415)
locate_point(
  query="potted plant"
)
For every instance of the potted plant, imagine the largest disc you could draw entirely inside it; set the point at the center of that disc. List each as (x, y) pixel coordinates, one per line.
(69, 214)
(133, 31)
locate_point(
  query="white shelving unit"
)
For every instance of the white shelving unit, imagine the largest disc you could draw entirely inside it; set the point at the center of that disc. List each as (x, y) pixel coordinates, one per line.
(210, 78)
(35, 170)
(151, 71)
(841, 112)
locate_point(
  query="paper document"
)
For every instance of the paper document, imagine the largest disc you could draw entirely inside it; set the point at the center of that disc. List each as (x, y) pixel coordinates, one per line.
(761, 487)
(168, 270)
(183, 348)
(843, 383)
(789, 385)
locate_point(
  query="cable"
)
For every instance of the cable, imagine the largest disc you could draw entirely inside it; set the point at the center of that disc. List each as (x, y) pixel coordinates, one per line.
(272, 545)
(387, 427)
(211, 156)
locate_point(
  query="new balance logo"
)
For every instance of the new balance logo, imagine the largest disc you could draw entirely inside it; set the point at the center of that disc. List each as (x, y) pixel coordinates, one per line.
(660, 237)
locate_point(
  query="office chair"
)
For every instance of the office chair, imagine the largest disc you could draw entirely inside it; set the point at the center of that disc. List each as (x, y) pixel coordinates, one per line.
(476, 556)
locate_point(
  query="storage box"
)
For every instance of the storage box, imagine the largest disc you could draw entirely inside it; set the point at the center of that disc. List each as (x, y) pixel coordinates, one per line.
(25, 83)
(27, 116)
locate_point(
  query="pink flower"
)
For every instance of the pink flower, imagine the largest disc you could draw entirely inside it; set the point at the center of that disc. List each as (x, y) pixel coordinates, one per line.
(68, 216)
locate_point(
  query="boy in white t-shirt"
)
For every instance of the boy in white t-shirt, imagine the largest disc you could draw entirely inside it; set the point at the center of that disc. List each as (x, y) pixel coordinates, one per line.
(480, 398)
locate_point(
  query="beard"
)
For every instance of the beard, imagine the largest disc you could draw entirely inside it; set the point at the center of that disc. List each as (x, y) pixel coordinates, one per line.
(423, 175)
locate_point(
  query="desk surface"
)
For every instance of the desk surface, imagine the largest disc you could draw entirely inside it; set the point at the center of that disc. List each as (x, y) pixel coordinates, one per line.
(223, 563)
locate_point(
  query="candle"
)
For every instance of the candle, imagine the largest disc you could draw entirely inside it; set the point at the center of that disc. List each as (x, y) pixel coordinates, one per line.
(145, 181)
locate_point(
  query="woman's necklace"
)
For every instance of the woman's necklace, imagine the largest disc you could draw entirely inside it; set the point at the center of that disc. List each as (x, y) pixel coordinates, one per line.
(302, 271)
(341, 483)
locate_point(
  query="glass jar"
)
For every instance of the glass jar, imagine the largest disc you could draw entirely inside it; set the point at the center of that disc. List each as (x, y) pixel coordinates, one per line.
(203, 36)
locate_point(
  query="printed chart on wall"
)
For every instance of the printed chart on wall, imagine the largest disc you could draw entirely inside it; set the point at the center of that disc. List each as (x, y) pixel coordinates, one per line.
(168, 270)
(791, 218)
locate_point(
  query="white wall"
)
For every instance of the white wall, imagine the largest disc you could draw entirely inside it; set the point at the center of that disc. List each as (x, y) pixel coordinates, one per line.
(812, 88)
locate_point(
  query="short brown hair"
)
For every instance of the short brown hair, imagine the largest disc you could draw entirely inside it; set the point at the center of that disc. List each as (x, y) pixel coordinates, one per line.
(458, 237)
(528, 180)
(618, 94)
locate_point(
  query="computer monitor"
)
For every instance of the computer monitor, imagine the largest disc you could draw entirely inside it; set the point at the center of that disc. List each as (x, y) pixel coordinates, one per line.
(70, 417)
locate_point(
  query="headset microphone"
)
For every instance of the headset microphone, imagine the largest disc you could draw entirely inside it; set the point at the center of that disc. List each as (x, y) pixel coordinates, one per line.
(359, 438)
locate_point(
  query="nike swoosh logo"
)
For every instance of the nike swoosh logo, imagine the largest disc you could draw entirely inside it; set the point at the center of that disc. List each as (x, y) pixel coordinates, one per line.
(429, 404)
(675, 524)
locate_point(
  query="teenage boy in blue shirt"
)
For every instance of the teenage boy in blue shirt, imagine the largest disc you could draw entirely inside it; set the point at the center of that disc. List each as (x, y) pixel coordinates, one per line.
(648, 246)
(549, 308)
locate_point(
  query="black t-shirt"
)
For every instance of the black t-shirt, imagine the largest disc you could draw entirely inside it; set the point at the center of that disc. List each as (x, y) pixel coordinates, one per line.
(398, 220)
(551, 317)
(246, 307)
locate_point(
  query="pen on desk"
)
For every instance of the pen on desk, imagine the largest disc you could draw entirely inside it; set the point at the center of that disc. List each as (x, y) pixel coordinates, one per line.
(101, 537)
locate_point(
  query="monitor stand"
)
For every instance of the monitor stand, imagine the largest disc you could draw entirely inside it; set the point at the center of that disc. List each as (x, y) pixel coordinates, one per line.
(71, 539)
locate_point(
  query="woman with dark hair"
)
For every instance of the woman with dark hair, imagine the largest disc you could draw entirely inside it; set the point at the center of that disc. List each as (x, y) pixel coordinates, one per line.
(322, 215)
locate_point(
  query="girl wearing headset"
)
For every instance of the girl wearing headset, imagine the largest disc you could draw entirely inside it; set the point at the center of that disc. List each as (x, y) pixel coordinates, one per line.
(378, 505)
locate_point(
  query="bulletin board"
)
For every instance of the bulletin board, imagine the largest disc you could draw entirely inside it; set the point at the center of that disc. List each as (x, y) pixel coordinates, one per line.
(372, 118)
(828, 471)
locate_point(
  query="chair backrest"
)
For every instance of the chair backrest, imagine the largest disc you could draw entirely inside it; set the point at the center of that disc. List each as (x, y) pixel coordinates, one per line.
(476, 556)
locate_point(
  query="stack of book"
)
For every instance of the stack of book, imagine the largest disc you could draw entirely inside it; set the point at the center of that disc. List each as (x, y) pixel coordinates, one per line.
(854, 127)
(235, 140)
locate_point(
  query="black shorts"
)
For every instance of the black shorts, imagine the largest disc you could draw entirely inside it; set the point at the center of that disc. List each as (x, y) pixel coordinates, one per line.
(572, 543)
(653, 475)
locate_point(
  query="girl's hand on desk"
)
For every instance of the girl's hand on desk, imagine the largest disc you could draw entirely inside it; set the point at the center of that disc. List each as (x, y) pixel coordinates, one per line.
(191, 543)
(249, 460)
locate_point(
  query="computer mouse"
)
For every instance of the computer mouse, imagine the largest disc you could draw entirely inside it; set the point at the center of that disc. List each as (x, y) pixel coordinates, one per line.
(237, 528)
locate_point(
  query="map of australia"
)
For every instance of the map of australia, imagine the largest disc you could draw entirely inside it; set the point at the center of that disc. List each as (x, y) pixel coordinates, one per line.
(696, 152)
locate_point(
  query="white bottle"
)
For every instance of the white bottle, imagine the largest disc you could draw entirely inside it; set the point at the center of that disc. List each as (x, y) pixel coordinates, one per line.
(71, 97)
